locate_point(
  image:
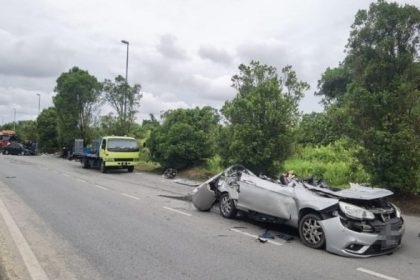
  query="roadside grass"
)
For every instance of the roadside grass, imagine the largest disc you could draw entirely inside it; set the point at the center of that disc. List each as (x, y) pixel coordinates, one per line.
(336, 163)
(149, 166)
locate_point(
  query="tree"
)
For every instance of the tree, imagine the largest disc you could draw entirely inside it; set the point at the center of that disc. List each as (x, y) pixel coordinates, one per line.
(47, 128)
(78, 96)
(124, 99)
(26, 130)
(317, 129)
(185, 138)
(333, 84)
(260, 118)
(108, 125)
(380, 107)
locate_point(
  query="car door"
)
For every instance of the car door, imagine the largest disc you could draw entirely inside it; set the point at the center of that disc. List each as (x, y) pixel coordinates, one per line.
(265, 197)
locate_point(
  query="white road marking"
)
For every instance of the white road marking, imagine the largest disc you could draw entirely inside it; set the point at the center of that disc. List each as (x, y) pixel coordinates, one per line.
(176, 211)
(31, 262)
(130, 196)
(81, 180)
(373, 273)
(67, 175)
(255, 236)
(101, 187)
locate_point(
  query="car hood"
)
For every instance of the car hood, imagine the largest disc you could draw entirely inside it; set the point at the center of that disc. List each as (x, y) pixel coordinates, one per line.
(355, 191)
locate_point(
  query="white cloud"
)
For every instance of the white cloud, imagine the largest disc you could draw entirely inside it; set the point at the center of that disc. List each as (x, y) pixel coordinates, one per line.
(215, 54)
(182, 52)
(151, 104)
(168, 48)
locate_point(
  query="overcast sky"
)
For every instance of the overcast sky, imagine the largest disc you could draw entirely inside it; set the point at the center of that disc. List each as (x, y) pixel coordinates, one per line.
(182, 52)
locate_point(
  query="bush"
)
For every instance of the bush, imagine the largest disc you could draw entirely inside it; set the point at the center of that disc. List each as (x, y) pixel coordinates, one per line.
(335, 163)
(185, 138)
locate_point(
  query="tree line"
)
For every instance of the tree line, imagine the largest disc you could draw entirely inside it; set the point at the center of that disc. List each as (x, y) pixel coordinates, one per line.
(371, 101)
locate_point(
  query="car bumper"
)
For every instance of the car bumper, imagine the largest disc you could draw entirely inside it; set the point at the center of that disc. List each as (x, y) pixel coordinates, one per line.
(120, 163)
(345, 242)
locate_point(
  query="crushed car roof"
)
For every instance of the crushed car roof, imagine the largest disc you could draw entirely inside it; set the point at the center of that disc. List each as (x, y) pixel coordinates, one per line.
(355, 191)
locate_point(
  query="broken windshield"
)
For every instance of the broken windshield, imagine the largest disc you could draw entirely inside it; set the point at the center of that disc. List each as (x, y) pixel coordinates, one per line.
(123, 145)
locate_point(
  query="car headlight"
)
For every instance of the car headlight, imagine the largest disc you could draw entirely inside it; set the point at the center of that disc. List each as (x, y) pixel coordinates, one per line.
(397, 210)
(356, 212)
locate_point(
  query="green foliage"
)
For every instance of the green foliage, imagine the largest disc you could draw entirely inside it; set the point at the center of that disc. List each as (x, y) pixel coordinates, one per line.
(77, 98)
(214, 165)
(380, 108)
(337, 163)
(333, 84)
(124, 99)
(7, 126)
(260, 118)
(316, 129)
(185, 138)
(108, 125)
(26, 131)
(47, 130)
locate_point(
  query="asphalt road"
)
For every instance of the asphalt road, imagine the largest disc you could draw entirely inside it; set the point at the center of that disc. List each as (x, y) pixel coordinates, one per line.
(81, 224)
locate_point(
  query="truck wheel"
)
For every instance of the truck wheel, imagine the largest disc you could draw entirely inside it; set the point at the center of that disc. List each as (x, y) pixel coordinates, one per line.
(130, 169)
(85, 163)
(103, 167)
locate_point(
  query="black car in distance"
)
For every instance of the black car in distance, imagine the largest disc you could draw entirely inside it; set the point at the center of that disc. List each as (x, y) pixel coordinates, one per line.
(16, 149)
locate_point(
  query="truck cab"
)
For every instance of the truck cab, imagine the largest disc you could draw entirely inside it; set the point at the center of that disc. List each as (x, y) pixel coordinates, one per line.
(118, 152)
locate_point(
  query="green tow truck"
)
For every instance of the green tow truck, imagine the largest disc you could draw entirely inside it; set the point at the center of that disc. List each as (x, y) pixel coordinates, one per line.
(108, 152)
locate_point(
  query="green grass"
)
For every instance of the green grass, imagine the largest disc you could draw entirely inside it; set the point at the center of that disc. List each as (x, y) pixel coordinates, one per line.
(335, 163)
(149, 166)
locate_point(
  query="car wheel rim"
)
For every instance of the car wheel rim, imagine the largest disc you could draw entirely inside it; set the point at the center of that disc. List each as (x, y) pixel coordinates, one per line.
(226, 207)
(312, 231)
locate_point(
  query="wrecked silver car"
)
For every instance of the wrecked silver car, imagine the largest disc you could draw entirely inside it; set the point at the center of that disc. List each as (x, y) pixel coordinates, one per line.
(357, 221)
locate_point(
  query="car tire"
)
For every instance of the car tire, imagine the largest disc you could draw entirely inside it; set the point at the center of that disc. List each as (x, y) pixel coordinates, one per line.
(22, 153)
(311, 232)
(130, 169)
(6, 152)
(227, 206)
(103, 167)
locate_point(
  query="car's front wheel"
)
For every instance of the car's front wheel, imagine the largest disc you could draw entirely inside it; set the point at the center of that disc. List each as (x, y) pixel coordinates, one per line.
(6, 152)
(227, 206)
(311, 232)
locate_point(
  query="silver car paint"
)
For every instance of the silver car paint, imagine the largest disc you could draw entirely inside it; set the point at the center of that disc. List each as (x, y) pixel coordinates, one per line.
(356, 191)
(339, 237)
(251, 193)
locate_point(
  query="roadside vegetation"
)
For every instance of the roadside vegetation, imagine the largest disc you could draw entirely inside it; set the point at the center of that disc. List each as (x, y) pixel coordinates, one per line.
(369, 131)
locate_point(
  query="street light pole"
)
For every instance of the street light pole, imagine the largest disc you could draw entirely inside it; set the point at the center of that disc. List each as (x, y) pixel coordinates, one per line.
(14, 119)
(39, 103)
(126, 80)
(126, 61)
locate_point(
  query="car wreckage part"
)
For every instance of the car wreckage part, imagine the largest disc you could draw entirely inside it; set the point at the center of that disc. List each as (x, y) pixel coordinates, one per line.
(311, 232)
(227, 206)
(360, 244)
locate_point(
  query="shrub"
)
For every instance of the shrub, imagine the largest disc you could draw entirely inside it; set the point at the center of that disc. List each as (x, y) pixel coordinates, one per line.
(335, 163)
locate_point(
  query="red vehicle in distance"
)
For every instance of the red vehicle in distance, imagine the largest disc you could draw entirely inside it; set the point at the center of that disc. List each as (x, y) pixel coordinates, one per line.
(7, 137)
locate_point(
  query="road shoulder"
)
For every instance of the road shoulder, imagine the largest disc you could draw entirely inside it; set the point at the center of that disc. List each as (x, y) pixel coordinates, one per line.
(11, 263)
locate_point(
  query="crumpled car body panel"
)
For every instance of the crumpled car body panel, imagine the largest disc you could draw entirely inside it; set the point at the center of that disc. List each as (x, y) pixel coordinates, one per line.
(287, 203)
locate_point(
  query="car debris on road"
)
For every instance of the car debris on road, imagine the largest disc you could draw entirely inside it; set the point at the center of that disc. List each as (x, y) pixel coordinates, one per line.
(355, 222)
